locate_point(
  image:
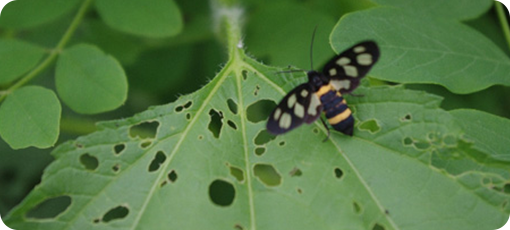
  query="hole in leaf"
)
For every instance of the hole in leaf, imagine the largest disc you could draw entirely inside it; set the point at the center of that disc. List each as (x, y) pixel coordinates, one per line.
(172, 176)
(356, 207)
(432, 137)
(116, 168)
(222, 193)
(237, 173)
(200, 137)
(315, 130)
(188, 116)
(267, 174)
(387, 212)
(407, 117)
(338, 173)
(506, 189)
(378, 227)
(260, 110)
(259, 151)
(245, 74)
(232, 106)
(216, 122)
(232, 124)
(118, 212)
(295, 172)
(370, 125)
(50, 208)
(179, 108)
(256, 92)
(158, 160)
(89, 162)
(408, 141)
(422, 145)
(118, 148)
(144, 130)
(299, 191)
(188, 105)
(282, 143)
(263, 137)
(145, 144)
(163, 183)
(238, 227)
(95, 221)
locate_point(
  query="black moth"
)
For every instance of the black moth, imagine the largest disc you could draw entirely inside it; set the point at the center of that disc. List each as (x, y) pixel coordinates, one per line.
(323, 92)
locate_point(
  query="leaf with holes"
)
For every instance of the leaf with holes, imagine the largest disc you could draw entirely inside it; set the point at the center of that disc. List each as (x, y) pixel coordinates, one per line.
(206, 161)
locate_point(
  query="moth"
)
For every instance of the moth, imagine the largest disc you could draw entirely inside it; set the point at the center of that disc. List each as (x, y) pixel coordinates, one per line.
(323, 92)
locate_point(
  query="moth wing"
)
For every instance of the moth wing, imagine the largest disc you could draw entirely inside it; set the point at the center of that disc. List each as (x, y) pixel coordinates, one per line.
(294, 109)
(347, 68)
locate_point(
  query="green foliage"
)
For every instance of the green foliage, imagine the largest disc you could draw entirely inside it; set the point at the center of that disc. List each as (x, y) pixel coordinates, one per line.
(30, 116)
(89, 81)
(205, 160)
(17, 57)
(151, 18)
(424, 49)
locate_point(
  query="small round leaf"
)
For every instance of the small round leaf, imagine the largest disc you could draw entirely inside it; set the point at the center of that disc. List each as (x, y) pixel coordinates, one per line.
(17, 57)
(89, 81)
(30, 116)
(151, 18)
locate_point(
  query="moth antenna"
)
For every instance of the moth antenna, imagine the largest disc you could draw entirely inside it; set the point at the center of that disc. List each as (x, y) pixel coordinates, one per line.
(311, 48)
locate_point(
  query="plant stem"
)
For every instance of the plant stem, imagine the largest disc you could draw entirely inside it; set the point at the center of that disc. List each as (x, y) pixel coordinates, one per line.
(228, 19)
(503, 21)
(54, 52)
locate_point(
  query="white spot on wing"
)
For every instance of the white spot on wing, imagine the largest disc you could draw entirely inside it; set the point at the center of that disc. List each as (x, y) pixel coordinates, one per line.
(364, 59)
(341, 84)
(359, 49)
(351, 71)
(277, 113)
(343, 61)
(332, 72)
(314, 103)
(299, 110)
(291, 101)
(285, 121)
(304, 93)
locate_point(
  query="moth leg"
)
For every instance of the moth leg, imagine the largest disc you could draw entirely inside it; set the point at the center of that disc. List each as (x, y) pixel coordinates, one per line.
(327, 128)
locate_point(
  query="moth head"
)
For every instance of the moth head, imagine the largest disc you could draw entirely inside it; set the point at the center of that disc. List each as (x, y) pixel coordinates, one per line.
(316, 79)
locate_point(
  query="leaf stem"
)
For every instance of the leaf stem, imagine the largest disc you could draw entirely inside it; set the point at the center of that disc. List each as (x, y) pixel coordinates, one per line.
(54, 52)
(228, 20)
(503, 21)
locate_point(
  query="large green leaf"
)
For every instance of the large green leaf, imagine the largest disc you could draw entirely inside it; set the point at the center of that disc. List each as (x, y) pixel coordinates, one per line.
(425, 49)
(30, 116)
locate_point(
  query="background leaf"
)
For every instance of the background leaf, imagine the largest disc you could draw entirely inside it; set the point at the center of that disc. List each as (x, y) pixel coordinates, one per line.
(30, 13)
(424, 51)
(17, 58)
(455, 9)
(151, 18)
(30, 117)
(89, 81)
